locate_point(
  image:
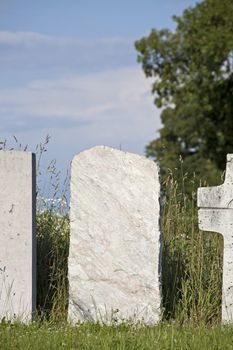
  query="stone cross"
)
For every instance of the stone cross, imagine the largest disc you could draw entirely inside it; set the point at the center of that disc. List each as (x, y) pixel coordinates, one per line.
(216, 215)
(115, 244)
(17, 235)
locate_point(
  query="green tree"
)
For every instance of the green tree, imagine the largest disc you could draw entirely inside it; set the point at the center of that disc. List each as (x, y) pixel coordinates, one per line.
(193, 85)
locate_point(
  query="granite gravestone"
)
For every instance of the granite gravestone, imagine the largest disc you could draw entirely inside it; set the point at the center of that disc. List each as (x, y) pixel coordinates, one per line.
(17, 235)
(115, 244)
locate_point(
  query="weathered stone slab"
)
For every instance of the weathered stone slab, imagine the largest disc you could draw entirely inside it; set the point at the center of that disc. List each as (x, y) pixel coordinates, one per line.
(216, 215)
(17, 235)
(114, 260)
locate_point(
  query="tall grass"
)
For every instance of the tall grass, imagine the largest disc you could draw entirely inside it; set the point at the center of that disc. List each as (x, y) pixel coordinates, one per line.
(52, 255)
(191, 259)
(191, 262)
(52, 221)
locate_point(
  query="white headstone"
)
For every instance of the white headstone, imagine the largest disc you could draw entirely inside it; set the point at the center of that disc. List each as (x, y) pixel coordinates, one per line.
(216, 215)
(17, 235)
(114, 259)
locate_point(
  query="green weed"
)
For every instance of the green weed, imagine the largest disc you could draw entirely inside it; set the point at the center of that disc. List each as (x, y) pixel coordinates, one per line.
(87, 336)
(192, 261)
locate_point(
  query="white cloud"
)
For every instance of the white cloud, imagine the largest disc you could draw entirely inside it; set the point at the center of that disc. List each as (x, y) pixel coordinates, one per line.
(19, 38)
(24, 52)
(113, 107)
(32, 38)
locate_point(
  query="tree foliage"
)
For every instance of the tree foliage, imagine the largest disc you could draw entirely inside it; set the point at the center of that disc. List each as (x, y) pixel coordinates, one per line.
(193, 85)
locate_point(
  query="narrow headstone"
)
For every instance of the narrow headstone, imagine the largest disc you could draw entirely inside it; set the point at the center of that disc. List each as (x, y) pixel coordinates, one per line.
(114, 260)
(17, 235)
(216, 215)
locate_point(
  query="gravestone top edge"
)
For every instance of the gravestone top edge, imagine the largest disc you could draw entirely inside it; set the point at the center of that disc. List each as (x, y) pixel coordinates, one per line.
(115, 150)
(13, 152)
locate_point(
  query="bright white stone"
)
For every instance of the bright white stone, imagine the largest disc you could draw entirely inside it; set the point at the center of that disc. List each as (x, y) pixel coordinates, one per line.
(114, 260)
(216, 215)
(17, 235)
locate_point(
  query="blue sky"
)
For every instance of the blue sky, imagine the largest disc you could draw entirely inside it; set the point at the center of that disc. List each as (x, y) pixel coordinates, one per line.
(69, 69)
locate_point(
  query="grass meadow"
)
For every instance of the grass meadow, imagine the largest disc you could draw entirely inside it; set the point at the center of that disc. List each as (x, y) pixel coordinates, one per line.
(191, 279)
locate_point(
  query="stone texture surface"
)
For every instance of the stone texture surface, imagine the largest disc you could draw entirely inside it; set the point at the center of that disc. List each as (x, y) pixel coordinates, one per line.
(114, 260)
(216, 215)
(17, 235)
